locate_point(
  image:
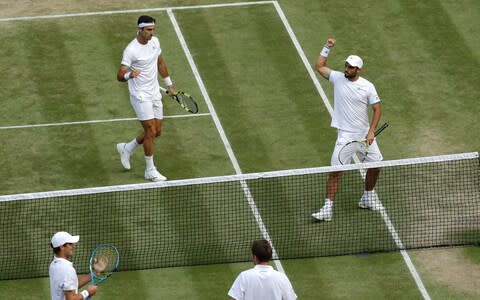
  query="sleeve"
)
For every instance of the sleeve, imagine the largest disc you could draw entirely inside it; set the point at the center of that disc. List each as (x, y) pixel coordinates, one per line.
(159, 47)
(334, 76)
(70, 282)
(127, 58)
(372, 95)
(288, 292)
(236, 291)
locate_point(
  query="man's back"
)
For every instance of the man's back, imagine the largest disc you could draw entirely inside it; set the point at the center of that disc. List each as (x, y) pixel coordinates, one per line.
(262, 282)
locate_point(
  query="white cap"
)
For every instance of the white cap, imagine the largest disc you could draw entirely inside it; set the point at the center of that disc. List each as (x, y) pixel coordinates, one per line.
(355, 61)
(62, 237)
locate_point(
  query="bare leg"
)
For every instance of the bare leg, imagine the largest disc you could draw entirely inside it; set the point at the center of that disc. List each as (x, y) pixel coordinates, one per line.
(151, 130)
(332, 184)
(371, 178)
(326, 212)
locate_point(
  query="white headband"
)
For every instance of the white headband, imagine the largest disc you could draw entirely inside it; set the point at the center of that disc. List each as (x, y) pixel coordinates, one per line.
(141, 25)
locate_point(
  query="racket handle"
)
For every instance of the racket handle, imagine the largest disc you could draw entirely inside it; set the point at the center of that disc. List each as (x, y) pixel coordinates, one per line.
(379, 130)
(164, 90)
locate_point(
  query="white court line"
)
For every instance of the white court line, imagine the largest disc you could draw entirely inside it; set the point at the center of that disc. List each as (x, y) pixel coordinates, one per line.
(383, 213)
(95, 121)
(305, 61)
(225, 141)
(128, 11)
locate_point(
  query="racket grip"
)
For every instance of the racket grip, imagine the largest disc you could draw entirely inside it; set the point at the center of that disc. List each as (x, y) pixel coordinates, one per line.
(379, 130)
(164, 90)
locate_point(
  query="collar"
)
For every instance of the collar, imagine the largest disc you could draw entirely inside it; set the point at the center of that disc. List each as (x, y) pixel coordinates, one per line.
(61, 259)
(263, 267)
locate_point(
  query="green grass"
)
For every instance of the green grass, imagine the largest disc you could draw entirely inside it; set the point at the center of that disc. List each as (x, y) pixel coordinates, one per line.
(277, 99)
(422, 56)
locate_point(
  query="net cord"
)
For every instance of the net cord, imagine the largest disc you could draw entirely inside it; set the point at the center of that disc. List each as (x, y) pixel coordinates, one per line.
(229, 178)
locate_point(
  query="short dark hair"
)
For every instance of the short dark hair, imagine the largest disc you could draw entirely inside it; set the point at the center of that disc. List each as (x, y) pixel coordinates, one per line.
(55, 250)
(262, 250)
(145, 19)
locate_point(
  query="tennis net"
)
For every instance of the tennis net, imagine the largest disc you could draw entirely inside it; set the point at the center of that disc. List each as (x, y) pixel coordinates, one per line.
(427, 202)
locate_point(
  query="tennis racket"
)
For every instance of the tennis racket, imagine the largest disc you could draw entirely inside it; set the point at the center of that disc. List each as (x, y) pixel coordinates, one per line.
(185, 100)
(104, 261)
(358, 148)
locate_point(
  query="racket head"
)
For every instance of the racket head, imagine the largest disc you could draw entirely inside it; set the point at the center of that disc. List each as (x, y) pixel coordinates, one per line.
(106, 256)
(347, 152)
(187, 102)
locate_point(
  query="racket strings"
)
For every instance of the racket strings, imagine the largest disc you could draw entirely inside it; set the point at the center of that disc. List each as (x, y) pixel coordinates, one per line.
(104, 261)
(350, 150)
(186, 101)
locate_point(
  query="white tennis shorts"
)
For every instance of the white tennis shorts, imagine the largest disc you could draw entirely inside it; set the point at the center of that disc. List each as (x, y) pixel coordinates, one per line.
(147, 108)
(343, 137)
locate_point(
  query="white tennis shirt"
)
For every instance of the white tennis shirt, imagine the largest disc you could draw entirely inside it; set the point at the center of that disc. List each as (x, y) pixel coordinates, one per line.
(351, 102)
(263, 283)
(63, 277)
(143, 58)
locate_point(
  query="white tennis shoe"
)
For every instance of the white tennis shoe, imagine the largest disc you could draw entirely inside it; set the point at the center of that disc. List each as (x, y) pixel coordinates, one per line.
(154, 175)
(324, 214)
(124, 155)
(370, 201)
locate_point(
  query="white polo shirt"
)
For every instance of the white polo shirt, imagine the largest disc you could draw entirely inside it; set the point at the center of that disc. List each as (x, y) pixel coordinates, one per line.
(351, 102)
(143, 58)
(263, 283)
(63, 277)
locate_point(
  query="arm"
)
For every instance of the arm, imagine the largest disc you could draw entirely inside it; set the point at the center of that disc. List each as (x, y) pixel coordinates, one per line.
(124, 73)
(83, 280)
(163, 71)
(377, 114)
(71, 295)
(321, 65)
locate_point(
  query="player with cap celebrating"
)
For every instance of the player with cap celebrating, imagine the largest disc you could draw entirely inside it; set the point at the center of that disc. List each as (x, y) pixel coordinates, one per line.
(352, 95)
(64, 282)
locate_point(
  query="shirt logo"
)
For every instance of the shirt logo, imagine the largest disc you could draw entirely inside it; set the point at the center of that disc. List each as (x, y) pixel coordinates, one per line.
(361, 89)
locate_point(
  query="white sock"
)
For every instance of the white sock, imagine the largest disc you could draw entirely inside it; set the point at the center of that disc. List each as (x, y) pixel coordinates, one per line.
(149, 161)
(131, 145)
(368, 193)
(328, 203)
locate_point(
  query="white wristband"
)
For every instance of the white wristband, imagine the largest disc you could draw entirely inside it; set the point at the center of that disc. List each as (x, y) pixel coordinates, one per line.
(168, 81)
(85, 294)
(127, 76)
(325, 51)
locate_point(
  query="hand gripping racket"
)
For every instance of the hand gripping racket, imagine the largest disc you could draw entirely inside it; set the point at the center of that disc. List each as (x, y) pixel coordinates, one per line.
(104, 261)
(358, 148)
(185, 100)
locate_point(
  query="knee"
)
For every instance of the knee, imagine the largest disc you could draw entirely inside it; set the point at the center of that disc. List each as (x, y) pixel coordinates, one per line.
(150, 132)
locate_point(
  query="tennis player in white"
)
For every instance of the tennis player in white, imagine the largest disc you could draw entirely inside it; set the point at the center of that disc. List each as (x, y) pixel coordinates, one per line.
(142, 61)
(262, 282)
(64, 282)
(353, 95)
